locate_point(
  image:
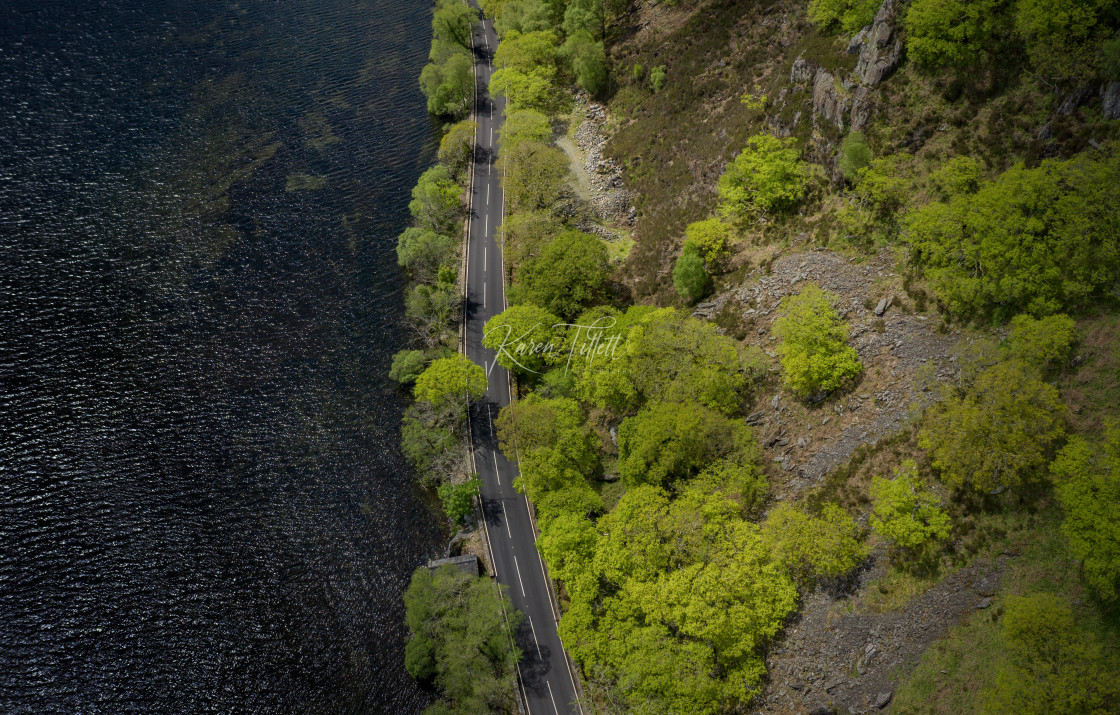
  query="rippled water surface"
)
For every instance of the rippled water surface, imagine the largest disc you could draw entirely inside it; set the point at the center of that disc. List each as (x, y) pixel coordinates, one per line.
(202, 504)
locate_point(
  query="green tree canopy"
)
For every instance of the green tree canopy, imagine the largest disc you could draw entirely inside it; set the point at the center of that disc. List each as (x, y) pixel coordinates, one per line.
(996, 434)
(768, 175)
(462, 631)
(844, 15)
(821, 546)
(1034, 240)
(522, 16)
(1042, 343)
(955, 33)
(422, 252)
(667, 442)
(452, 380)
(435, 201)
(524, 125)
(712, 238)
(407, 366)
(524, 235)
(526, 338)
(1088, 480)
(814, 351)
(453, 21)
(535, 422)
(431, 309)
(1052, 665)
(587, 61)
(457, 498)
(568, 275)
(447, 81)
(533, 175)
(457, 147)
(904, 512)
(527, 51)
(531, 89)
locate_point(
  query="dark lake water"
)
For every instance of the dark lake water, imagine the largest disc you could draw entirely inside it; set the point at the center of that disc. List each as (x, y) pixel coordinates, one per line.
(202, 503)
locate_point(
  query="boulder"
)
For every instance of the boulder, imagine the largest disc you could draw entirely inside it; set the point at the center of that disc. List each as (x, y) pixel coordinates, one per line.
(881, 49)
(802, 71)
(882, 699)
(881, 307)
(828, 100)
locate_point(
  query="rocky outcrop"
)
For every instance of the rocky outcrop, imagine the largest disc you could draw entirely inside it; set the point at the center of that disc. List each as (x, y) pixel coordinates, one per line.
(881, 47)
(1110, 100)
(829, 101)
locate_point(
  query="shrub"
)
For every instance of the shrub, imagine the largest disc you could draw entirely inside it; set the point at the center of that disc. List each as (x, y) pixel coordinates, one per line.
(657, 78)
(813, 344)
(1042, 343)
(690, 278)
(905, 513)
(959, 175)
(457, 498)
(407, 366)
(846, 15)
(423, 252)
(854, 155)
(996, 434)
(768, 175)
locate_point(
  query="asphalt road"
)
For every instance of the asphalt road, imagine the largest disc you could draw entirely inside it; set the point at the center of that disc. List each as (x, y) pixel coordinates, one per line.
(546, 680)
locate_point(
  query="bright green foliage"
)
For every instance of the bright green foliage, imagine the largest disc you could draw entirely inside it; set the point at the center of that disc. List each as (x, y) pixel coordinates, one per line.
(711, 238)
(452, 22)
(435, 201)
(954, 33)
(740, 482)
(657, 77)
(854, 155)
(532, 89)
(1034, 240)
(457, 498)
(845, 15)
(533, 175)
(822, 546)
(883, 185)
(535, 422)
(768, 175)
(690, 278)
(526, 338)
(524, 125)
(462, 628)
(527, 52)
(676, 601)
(904, 512)
(959, 175)
(814, 351)
(673, 357)
(457, 147)
(668, 442)
(407, 366)
(567, 544)
(451, 380)
(448, 80)
(423, 252)
(1042, 343)
(568, 275)
(998, 433)
(596, 354)
(587, 60)
(1089, 490)
(562, 467)
(1052, 665)
(579, 499)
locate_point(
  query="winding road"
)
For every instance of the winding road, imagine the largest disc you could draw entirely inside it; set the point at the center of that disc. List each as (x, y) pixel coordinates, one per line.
(545, 679)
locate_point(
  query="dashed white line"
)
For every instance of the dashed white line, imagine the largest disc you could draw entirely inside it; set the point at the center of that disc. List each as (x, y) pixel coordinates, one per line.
(506, 515)
(484, 260)
(491, 143)
(496, 472)
(519, 577)
(486, 227)
(535, 641)
(483, 295)
(554, 708)
(488, 193)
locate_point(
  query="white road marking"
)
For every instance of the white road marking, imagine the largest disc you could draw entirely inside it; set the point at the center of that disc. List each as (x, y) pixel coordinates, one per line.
(535, 641)
(519, 577)
(486, 226)
(483, 295)
(506, 514)
(490, 418)
(491, 145)
(554, 708)
(484, 260)
(488, 193)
